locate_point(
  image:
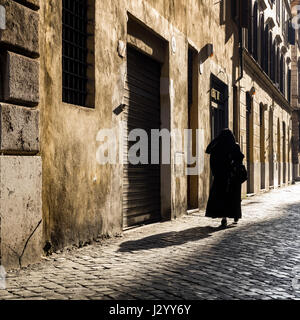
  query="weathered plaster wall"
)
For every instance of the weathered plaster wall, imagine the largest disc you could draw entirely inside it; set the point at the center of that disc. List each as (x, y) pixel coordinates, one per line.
(80, 197)
(20, 205)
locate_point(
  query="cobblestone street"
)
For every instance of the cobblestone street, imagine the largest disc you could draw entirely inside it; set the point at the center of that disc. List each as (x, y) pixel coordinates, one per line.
(190, 258)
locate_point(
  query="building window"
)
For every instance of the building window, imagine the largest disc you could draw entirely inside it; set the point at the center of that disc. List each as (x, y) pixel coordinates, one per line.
(262, 42)
(278, 2)
(255, 31)
(277, 79)
(289, 77)
(272, 57)
(285, 25)
(281, 78)
(78, 52)
(261, 115)
(283, 18)
(291, 33)
(250, 30)
(266, 50)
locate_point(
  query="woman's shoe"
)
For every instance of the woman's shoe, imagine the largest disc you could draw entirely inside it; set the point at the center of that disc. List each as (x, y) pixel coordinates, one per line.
(224, 223)
(236, 220)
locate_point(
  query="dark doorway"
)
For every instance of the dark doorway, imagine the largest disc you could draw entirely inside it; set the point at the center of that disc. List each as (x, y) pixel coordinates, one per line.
(284, 152)
(249, 142)
(278, 153)
(219, 106)
(271, 152)
(192, 180)
(262, 147)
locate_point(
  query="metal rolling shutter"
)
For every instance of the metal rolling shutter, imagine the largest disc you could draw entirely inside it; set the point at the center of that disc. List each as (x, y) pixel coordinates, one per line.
(141, 183)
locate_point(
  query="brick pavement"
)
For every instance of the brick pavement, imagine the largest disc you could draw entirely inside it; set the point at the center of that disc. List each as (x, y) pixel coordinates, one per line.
(189, 258)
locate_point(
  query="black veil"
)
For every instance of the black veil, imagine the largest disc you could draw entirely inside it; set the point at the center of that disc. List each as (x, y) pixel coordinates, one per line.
(224, 142)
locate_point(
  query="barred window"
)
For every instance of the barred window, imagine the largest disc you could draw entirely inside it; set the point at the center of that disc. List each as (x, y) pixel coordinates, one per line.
(77, 50)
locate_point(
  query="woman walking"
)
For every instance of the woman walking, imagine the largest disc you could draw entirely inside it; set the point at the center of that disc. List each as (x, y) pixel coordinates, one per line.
(226, 162)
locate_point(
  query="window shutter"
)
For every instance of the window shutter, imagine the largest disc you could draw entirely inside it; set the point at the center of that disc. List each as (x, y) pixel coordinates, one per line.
(244, 12)
(292, 34)
(289, 84)
(278, 10)
(255, 31)
(262, 42)
(250, 30)
(273, 59)
(234, 9)
(240, 11)
(271, 64)
(266, 50)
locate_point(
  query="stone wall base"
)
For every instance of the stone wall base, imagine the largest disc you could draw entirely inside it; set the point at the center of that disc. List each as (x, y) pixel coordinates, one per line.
(20, 210)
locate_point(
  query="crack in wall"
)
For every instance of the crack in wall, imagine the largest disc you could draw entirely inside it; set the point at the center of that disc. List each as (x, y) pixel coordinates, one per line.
(26, 243)
(24, 248)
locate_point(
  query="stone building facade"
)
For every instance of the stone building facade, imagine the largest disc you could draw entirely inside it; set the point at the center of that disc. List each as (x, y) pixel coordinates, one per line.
(295, 95)
(20, 160)
(265, 96)
(70, 69)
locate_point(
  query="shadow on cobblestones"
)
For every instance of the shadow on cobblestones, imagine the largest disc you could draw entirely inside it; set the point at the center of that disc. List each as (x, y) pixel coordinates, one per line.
(173, 238)
(181, 259)
(253, 261)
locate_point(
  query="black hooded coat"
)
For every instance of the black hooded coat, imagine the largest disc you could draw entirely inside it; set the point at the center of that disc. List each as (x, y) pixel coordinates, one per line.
(225, 194)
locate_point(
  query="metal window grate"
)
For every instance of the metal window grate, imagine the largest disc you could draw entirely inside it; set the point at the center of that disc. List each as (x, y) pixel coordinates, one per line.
(74, 51)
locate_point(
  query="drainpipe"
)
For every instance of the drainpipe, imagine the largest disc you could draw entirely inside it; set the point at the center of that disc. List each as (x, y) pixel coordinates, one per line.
(242, 73)
(241, 53)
